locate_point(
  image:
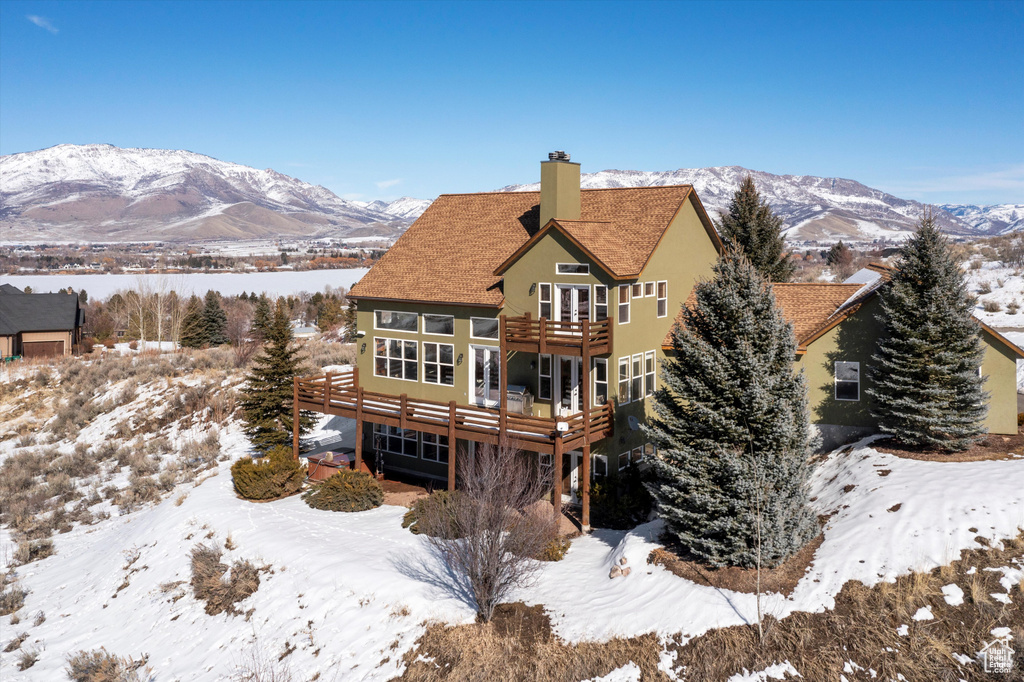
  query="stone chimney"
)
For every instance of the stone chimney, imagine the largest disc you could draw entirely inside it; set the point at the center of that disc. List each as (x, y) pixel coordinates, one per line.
(559, 188)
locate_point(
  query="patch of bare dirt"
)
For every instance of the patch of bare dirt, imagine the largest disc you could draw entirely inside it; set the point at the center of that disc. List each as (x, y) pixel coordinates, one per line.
(992, 447)
(782, 579)
(402, 494)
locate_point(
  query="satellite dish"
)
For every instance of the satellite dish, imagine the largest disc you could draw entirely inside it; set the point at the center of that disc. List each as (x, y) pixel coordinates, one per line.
(634, 423)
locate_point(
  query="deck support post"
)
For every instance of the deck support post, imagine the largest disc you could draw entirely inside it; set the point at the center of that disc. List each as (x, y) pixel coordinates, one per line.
(585, 464)
(295, 418)
(556, 475)
(451, 445)
(359, 427)
(403, 406)
(502, 379)
(327, 393)
(543, 343)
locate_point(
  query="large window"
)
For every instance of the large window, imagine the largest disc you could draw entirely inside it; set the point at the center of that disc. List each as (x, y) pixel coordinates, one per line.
(624, 304)
(544, 377)
(439, 324)
(438, 363)
(624, 380)
(394, 440)
(395, 358)
(545, 300)
(600, 302)
(483, 327)
(600, 381)
(572, 268)
(662, 299)
(649, 373)
(847, 380)
(637, 388)
(435, 448)
(397, 321)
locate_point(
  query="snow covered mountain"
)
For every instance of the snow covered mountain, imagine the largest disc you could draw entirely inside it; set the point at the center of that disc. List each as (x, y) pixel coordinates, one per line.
(102, 192)
(997, 219)
(406, 207)
(824, 209)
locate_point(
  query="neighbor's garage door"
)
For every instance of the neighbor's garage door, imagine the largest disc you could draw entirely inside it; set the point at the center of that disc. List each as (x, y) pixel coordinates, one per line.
(42, 349)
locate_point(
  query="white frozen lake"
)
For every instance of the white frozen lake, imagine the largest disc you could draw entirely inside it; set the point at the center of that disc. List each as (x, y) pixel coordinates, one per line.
(278, 283)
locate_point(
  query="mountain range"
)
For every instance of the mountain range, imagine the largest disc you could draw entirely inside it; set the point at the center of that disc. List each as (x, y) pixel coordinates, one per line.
(99, 192)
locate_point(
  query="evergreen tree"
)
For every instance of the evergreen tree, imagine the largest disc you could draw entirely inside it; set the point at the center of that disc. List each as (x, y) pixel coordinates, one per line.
(261, 318)
(215, 320)
(751, 225)
(267, 396)
(840, 258)
(193, 327)
(732, 426)
(927, 388)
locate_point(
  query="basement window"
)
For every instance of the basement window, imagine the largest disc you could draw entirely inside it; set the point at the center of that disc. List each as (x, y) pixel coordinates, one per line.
(847, 380)
(435, 447)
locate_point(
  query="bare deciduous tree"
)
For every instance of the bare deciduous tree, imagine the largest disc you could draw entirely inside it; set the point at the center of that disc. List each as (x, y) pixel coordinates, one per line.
(495, 526)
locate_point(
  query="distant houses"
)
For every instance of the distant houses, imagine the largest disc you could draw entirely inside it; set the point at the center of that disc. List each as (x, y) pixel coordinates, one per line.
(39, 325)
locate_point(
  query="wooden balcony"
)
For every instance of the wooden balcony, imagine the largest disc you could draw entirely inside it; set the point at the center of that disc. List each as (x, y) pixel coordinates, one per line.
(340, 394)
(583, 338)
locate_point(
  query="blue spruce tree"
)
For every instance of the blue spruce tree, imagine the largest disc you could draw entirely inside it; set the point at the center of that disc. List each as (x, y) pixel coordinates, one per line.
(927, 389)
(732, 426)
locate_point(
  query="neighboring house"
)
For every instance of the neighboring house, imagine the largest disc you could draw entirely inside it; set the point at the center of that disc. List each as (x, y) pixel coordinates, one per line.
(543, 316)
(301, 330)
(39, 325)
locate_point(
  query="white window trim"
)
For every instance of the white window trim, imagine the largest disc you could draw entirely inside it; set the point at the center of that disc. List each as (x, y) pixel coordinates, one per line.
(653, 374)
(618, 460)
(423, 447)
(541, 301)
(635, 285)
(419, 356)
(423, 363)
(423, 325)
(485, 338)
(628, 304)
(606, 304)
(657, 285)
(573, 274)
(835, 380)
(415, 439)
(549, 376)
(654, 290)
(633, 377)
(593, 467)
(593, 388)
(388, 329)
(623, 399)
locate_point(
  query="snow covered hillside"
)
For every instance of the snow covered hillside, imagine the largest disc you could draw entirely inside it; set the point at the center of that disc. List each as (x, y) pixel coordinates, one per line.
(997, 219)
(345, 596)
(99, 191)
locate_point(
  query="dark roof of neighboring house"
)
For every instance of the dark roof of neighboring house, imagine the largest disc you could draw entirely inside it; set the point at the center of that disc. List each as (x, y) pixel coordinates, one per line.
(38, 312)
(455, 252)
(10, 289)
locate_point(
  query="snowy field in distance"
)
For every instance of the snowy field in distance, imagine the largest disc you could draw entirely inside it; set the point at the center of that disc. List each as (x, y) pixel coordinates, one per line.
(278, 283)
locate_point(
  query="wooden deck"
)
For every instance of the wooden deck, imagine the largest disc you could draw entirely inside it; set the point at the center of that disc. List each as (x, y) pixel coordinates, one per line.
(561, 338)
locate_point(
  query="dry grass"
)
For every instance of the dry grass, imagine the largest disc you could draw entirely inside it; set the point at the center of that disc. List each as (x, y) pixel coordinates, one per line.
(212, 584)
(991, 447)
(102, 666)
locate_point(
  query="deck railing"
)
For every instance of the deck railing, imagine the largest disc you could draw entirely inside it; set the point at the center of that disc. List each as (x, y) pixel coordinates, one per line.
(340, 394)
(553, 336)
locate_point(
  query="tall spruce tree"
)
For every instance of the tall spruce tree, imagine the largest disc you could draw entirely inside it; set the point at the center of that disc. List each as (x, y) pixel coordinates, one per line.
(751, 225)
(732, 426)
(193, 326)
(927, 387)
(215, 320)
(261, 318)
(267, 396)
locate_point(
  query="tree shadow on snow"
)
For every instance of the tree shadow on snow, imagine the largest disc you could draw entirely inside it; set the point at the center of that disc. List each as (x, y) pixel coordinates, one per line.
(435, 573)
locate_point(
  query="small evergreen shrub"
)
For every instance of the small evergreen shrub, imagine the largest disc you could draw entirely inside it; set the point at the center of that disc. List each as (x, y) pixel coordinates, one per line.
(347, 491)
(268, 478)
(441, 501)
(555, 550)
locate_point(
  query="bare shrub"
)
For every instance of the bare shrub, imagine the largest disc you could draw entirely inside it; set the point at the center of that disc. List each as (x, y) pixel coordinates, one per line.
(499, 524)
(15, 643)
(12, 598)
(259, 665)
(103, 666)
(33, 550)
(991, 306)
(985, 288)
(27, 659)
(210, 585)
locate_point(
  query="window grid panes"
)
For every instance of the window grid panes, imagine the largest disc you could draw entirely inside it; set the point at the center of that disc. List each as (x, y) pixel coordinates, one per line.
(600, 381)
(624, 304)
(847, 380)
(624, 379)
(649, 374)
(544, 377)
(572, 268)
(395, 358)
(662, 299)
(394, 320)
(600, 302)
(394, 440)
(637, 388)
(544, 297)
(439, 363)
(435, 447)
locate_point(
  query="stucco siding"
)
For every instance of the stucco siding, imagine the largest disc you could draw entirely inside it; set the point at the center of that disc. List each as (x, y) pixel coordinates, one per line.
(999, 367)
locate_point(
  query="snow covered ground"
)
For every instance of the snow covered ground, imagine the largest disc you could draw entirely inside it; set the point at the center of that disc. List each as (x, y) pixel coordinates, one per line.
(279, 283)
(996, 284)
(352, 592)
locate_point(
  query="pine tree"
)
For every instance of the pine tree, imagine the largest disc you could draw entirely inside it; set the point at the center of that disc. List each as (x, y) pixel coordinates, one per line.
(261, 318)
(215, 320)
(751, 225)
(927, 387)
(732, 426)
(840, 258)
(193, 327)
(267, 396)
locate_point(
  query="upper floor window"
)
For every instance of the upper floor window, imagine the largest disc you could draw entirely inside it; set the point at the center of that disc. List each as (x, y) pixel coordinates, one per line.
(439, 324)
(600, 381)
(572, 268)
(638, 290)
(395, 320)
(847, 380)
(483, 327)
(648, 289)
(438, 363)
(544, 296)
(395, 358)
(600, 302)
(662, 299)
(649, 373)
(624, 380)
(624, 304)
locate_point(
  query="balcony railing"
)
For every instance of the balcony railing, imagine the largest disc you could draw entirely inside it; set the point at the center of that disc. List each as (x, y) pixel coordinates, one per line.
(340, 394)
(561, 338)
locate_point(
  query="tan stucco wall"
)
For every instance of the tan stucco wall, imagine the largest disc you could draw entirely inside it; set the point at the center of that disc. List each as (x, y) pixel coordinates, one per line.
(6, 345)
(999, 367)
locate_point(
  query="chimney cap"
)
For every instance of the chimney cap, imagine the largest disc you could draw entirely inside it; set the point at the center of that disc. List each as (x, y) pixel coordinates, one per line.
(559, 155)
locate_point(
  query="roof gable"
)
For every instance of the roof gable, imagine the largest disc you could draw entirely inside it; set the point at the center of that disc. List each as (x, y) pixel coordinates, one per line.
(38, 312)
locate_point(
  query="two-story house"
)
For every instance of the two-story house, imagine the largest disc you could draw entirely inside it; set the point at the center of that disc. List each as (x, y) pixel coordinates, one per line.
(543, 317)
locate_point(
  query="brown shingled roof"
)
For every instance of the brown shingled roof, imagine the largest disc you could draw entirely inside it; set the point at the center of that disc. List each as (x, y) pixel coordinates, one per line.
(455, 251)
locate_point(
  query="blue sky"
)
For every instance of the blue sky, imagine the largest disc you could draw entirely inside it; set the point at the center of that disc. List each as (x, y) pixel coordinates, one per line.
(924, 100)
